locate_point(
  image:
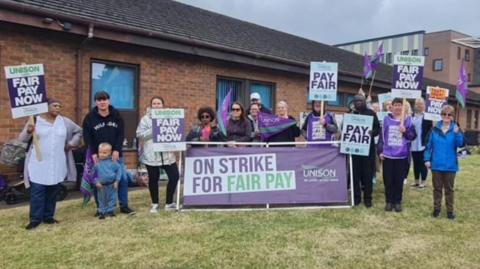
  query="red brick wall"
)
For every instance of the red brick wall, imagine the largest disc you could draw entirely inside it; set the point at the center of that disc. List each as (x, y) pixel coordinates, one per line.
(183, 81)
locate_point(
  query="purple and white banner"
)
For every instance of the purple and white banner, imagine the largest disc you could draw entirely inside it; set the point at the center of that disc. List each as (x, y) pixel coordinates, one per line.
(26, 88)
(168, 129)
(407, 79)
(248, 176)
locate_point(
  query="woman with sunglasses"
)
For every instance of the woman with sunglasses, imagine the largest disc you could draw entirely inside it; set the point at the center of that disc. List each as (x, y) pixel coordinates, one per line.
(441, 157)
(154, 160)
(206, 130)
(239, 128)
(57, 136)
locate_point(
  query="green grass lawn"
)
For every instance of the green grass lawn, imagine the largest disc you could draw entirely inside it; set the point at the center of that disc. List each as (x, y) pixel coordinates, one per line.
(324, 238)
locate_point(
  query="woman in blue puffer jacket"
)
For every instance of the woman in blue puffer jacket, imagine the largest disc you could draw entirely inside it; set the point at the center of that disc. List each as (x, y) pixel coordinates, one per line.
(441, 157)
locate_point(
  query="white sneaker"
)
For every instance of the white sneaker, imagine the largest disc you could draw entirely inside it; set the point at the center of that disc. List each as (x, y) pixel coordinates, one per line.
(172, 206)
(154, 208)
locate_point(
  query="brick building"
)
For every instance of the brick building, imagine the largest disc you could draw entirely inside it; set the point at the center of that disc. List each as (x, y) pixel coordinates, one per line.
(139, 49)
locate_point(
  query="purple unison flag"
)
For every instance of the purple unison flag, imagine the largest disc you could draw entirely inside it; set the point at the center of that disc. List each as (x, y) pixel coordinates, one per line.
(222, 113)
(462, 90)
(88, 178)
(270, 125)
(367, 67)
(377, 57)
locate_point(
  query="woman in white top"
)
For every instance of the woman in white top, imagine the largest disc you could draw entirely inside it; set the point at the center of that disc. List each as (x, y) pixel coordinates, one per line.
(57, 136)
(154, 161)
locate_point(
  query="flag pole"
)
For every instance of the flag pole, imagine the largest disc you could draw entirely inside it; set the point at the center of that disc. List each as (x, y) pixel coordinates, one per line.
(36, 145)
(322, 104)
(402, 117)
(371, 83)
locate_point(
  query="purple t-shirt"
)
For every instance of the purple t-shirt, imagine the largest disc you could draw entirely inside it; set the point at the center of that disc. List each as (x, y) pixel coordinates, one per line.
(396, 144)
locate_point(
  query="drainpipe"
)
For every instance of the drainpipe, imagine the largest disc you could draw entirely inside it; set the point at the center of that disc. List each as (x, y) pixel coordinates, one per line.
(79, 74)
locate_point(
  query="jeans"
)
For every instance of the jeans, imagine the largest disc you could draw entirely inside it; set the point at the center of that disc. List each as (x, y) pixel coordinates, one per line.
(43, 200)
(107, 199)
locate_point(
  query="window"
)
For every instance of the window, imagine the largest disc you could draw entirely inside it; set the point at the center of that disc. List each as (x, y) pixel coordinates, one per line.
(425, 51)
(241, 90)
(405, 52)
(469, 119)
(338, 102)
(349, 99)
(414, 52)
(388, 57)
(121, 82)
(469, 79)
(438, 65)
(467, 55)
(459, 53)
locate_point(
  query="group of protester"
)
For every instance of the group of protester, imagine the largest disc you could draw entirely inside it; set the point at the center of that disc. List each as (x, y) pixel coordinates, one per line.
(103, 134)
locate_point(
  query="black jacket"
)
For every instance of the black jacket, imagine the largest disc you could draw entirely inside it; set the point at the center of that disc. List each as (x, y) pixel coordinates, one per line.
(98, 129)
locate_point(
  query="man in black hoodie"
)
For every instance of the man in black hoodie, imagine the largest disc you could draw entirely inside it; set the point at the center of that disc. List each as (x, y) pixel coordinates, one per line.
(104, 124)
(364, 166)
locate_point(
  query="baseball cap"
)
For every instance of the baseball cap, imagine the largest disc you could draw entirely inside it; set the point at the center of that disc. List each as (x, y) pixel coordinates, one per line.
(255, 95)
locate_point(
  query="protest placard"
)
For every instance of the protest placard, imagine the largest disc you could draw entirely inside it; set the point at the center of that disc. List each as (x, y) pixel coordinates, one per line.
(356, 134)
(168, 129)
(26, 88)
(323, 81)
(436, 99)
(407, 76)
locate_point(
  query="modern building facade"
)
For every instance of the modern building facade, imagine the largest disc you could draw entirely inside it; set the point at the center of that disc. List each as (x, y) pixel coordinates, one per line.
(444, 52)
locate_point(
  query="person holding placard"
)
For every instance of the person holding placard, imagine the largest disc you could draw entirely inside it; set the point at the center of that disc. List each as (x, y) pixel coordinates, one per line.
(393, 149)
(422, 128)
(105, 124)
(364, 166)
(317, 128)
(239, 128)
(154, 161)
(57, 136)
(206, 130)
(441, 157)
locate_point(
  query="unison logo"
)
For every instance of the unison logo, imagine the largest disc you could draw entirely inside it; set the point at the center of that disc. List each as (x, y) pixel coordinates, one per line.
(318, 172)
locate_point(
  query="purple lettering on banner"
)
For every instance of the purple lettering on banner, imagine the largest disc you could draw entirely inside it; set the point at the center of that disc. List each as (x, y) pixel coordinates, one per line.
(265, 175)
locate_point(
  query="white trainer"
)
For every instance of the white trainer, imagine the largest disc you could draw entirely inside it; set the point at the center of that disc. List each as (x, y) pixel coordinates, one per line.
(172, 206)
(154, 208)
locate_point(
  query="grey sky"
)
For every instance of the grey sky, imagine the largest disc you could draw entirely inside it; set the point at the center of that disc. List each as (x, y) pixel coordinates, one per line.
(339, 21)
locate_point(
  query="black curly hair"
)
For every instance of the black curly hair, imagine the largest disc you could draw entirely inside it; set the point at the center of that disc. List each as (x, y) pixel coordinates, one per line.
(208, 110)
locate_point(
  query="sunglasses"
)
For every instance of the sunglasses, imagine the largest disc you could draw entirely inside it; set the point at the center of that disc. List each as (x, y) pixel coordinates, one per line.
(447, 114)
(236, 109)
(206, 116)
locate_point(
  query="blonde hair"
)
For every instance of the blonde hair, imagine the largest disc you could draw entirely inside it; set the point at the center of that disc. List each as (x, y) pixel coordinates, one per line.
(448, 108)
(105, 145)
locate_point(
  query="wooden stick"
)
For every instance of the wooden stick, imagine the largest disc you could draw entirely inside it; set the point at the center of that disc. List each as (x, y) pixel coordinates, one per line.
(402, 117)
(322, 104)
(361, 83)
(371, 83)
(38, 154)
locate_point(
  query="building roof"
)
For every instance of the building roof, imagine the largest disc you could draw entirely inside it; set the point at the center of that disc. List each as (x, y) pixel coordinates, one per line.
(178, 19)
(380, 38)
(204, 27)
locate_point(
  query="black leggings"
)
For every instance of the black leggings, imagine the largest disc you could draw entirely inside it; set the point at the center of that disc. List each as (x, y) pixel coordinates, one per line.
(419, 168)
(154, 176)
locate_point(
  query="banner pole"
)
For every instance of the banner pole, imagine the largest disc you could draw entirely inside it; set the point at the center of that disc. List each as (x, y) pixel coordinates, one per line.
(351, 180)
(38, 154)
(179, 180)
